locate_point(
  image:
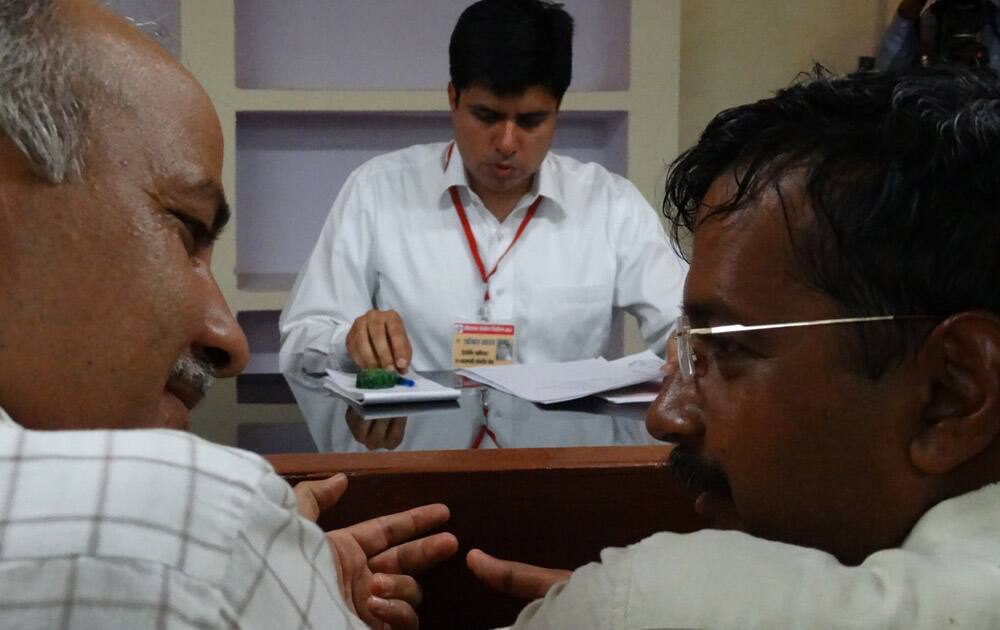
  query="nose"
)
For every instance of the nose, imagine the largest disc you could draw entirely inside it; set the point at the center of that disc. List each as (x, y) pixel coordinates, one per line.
(676, 415)
(506, 142)
(221, 342)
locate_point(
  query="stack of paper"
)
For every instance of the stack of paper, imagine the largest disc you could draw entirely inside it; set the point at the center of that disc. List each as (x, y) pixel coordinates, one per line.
(558, 382)
(422, 390)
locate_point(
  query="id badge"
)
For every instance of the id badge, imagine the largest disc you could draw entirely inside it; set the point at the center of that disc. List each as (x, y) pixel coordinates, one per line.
(478, 344)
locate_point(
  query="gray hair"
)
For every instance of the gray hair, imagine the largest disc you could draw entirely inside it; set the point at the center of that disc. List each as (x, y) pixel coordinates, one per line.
(39, 103)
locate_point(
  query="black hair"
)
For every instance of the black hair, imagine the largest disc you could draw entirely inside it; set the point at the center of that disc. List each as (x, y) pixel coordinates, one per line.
(509, 46)
(901, 172)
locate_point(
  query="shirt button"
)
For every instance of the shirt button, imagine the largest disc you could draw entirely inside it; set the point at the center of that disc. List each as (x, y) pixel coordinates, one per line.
(498, 236)
(501, 291)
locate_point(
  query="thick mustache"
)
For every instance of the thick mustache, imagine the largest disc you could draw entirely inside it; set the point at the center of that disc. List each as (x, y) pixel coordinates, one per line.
(195, 374)
(696, 472)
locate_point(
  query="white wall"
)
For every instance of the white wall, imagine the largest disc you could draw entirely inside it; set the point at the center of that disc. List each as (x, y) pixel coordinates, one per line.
(736, 52)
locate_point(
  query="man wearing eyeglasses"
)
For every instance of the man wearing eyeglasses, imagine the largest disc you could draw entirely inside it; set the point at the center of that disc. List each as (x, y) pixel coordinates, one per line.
(836, 398)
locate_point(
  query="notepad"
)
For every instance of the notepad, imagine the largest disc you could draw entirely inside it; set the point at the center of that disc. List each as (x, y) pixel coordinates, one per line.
(422, 390)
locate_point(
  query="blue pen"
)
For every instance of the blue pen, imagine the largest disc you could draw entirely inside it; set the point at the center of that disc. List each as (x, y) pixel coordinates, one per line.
(405, 382)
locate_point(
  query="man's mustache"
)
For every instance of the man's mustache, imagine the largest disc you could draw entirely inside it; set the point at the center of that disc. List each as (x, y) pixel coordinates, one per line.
(696, 472)
(196, 374)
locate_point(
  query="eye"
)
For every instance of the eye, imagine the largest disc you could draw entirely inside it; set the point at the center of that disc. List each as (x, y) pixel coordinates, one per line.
(531, 121)
(191, 231)
(486, 116)
(724, 346)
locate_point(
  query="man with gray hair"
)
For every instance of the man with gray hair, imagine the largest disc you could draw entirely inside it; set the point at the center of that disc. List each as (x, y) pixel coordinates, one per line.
(110, 200)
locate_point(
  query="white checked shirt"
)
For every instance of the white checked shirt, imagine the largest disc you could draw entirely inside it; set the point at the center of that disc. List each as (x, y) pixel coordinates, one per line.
(594, 250)
(154, 529)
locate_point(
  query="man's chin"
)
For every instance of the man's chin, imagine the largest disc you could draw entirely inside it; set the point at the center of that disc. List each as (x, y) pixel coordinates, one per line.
(718, 510)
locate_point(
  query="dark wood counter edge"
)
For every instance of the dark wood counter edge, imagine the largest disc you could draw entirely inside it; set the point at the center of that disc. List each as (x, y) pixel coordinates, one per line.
(298, 466)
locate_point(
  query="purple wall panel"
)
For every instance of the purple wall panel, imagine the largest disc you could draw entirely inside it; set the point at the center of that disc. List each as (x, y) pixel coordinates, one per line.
(290, 166)
(398, 44)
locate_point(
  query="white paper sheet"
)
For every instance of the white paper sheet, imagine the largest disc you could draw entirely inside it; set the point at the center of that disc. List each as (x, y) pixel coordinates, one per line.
(558, 382)
(423, 390)
(641, 393)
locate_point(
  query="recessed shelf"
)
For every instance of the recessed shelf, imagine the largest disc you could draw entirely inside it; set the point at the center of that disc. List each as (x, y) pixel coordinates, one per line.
(398, 44)
(290, 166)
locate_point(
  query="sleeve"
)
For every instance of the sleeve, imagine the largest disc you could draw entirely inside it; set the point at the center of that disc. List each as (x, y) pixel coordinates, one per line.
(900, 45)
(280, 572)
(719, 579)
(649, 280)
(335, 287)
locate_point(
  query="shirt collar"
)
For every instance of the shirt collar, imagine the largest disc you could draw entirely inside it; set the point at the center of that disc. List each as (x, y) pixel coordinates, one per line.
(545, 183)
(5, 419)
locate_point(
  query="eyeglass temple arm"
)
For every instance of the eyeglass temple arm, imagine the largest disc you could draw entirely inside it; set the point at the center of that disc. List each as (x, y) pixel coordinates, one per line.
(731, 328)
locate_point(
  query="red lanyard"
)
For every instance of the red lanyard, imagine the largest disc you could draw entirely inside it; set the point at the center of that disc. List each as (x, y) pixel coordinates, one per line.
(471, 238)
(484, 430)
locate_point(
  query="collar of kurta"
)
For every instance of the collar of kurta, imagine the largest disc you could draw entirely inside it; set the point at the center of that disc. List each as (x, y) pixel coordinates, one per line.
(4, 418)
(545, 183)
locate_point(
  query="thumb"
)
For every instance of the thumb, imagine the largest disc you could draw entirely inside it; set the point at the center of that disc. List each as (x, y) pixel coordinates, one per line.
(315, 497)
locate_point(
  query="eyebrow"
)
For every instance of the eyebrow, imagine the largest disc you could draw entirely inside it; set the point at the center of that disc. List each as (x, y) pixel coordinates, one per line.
(705, 312)
(208, 234)
(485, 109)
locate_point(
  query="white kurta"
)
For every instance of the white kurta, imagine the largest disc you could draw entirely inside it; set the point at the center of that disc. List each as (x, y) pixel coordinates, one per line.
(393, 240)
(945, 575)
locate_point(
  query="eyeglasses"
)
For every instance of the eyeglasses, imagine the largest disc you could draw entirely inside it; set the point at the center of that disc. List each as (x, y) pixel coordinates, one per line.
(685, 353)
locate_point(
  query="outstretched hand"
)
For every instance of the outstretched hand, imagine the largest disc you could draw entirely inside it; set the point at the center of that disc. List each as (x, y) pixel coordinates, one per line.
(517, 579)
(375, 559)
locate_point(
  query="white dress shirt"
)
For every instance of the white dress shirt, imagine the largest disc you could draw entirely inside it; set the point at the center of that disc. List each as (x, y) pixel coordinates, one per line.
(394, 241)
(945, 575)
(154, 529)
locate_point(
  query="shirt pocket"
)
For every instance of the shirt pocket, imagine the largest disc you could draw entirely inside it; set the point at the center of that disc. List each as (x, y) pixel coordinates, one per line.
(567, 322)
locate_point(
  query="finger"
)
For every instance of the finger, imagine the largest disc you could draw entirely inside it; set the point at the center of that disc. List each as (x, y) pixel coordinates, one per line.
(392, 586)
(514, 578)
(383, 532)
(396, 433)
(376, 433)
(360, 348)
(313, 497)
(399, 341)
(397, 614)
(358, 426)
(671, 354)
(379, 341)
(415, 556)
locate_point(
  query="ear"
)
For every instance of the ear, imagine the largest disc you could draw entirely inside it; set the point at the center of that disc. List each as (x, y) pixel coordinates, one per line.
(452, 96)
(962, 417)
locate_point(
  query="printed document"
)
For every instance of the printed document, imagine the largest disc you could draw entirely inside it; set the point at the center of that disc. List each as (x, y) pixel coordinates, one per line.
(558, 382)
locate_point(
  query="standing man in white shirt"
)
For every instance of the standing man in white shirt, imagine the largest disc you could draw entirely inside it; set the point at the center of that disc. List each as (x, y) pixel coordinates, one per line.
(110, 319)
(836, 395)
(436, 255)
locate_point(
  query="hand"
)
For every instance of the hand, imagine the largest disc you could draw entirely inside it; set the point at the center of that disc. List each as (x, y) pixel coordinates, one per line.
(373, 568)
(909, 9)
(314, 497)
(378, 339)
(373, 434)
(517, 579)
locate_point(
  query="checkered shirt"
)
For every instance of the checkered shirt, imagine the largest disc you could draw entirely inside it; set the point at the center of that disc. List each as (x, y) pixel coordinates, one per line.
(154, 529)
